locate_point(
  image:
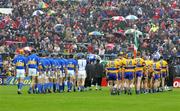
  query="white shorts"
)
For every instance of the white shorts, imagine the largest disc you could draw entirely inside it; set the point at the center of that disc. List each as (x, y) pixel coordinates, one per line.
(81, 74)
(20, 73)
(61, 75)
(46, 79)
(54, 75)
(32, 72)
(50, 74)
(71, 73)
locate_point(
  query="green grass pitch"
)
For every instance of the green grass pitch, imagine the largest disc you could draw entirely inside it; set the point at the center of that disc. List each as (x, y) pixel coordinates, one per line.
(87, 101)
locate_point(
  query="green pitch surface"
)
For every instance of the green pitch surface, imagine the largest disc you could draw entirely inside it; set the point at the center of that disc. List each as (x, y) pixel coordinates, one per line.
(87, 101)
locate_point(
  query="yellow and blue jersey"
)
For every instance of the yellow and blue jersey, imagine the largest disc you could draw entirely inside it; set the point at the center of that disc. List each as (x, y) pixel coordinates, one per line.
(148, 66)
(156, 67)
(112, 67)
(20, 62)
(129, 65)
(164, 65)
(139, 64)
(120, 64)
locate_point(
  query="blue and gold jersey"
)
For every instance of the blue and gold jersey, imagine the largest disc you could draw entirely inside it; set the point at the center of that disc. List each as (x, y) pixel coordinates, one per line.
(20, 62)
(33, 61)
(43, 64)
(72, 64)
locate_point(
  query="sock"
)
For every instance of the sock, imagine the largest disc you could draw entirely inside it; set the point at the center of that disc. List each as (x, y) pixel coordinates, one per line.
(57, 86)
(63, 86)
(69, 85)
(54, 87)
(43, 88)
(60, 87)
(50, 85)
(30, 89)
(20, 86)
(35, 86)
(39, 87)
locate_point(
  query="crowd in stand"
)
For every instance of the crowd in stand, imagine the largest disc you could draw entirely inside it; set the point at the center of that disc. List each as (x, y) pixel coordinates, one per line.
(64, 25)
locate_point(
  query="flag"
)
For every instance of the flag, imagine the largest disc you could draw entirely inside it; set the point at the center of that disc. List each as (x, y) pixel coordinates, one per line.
(136, 43)
(43, 5)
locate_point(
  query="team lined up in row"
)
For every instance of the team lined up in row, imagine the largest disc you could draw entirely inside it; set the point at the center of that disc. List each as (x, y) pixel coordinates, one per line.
(49, 74)
(145, 74)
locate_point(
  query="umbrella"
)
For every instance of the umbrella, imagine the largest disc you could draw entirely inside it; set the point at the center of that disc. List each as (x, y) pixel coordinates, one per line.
(111, 8)
(131, 17)
(110, 35)
(51, 12)
(110, 46)
(118, 18)
(58, 28)
(79, 55)
(27, 48)
(37, 12)
(120, 31)
(96, 33)
(131, 31)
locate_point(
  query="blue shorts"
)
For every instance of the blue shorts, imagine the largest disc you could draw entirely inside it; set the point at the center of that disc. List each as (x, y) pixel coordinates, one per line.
(163, 75)
(128, 75)
(156, 76)
(139, 74)
(112, 77)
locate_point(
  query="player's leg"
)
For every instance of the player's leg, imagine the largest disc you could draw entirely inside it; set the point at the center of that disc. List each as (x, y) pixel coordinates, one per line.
(110, 83)
(138, 82)
(146, 83)
(20, 74)
(54, 81)
(150, 82)
(83, 80)
(39, 82)
(50, 84)
(46, 82)
(70, 80)
(79, 77)
(119, 84)
(126, 76)
(163, 76)
(130, 83)
(43, 81)
(156, 83)
(33, 75)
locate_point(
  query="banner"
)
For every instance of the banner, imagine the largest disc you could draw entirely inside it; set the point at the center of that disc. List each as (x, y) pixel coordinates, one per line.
(176, 82)
(13, 81)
